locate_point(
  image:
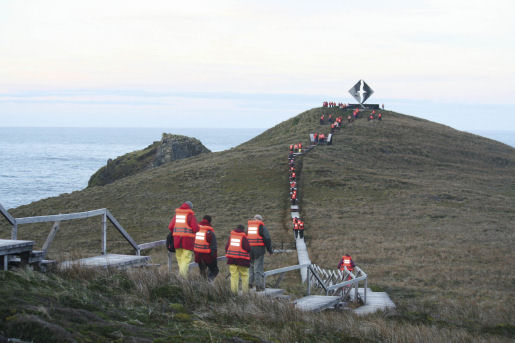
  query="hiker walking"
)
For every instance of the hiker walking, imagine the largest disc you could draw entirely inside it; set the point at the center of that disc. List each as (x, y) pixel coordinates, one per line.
(206, 250)
(259, 239)
(237, 251)
(184, 226)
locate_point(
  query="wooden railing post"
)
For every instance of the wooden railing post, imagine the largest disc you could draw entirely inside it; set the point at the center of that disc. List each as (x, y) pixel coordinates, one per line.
(14, 232)
(104, 233)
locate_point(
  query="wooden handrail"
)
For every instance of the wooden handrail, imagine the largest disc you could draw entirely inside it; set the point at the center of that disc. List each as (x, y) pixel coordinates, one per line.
(7, 215)
(60, 217)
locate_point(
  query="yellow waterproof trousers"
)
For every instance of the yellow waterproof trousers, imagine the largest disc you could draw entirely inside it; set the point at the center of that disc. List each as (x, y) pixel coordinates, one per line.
(184, 258)
(236, 273)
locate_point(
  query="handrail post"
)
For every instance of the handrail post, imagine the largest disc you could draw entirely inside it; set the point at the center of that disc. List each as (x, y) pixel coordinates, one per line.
(14, 232)
(365, 298)
(104, 233)
(309, 280)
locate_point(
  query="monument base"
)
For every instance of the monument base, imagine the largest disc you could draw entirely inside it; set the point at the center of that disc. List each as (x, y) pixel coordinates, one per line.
(364, 106)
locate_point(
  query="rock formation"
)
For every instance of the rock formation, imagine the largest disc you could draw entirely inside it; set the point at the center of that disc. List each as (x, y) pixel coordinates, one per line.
(170, 148)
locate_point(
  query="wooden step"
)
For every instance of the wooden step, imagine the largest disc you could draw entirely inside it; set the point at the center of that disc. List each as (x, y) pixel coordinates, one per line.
(271, 292)
(316, 302)
(109, 260)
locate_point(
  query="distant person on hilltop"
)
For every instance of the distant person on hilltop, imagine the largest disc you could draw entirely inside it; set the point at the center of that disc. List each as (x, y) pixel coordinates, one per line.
(382, 106)
(205, 249)
(237, 251)
(259, 239)
(184, 226)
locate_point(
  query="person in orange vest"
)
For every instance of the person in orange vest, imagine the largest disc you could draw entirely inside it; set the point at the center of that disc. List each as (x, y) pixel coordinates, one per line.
(379, 116)
(371, 117)
(237, 251)
(293, 197)
(205, 249)
(184, 226)
(322, 117)
(321, 138)
(259, 240)
(301, 229)
(296, 226)
(346, 261)
(296, 148)
(300, 147)
(291, 147)
(315, 138)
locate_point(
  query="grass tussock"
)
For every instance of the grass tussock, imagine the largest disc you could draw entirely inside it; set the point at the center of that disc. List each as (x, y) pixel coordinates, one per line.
(152, 305)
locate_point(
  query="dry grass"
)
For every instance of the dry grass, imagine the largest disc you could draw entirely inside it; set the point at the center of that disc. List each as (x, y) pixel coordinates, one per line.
(425, 210)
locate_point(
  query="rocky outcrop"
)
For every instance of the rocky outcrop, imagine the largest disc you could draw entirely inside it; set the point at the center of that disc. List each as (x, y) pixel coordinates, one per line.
(170, 148)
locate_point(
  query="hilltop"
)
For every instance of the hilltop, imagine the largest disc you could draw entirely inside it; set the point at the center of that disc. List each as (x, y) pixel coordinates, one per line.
(425, 210)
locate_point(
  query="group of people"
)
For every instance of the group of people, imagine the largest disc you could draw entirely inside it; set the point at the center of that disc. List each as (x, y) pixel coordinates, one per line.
(298, 227)
(372, 116)
(333, 104)
(295, 148)
(245, 250)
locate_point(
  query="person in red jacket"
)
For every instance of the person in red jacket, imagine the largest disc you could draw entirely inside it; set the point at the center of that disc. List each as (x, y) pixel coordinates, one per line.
(346, 261)
(237, 251)
(206, 250)
(184, 226)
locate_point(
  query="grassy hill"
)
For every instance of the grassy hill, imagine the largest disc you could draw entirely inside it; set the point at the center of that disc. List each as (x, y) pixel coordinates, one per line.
(425, 210)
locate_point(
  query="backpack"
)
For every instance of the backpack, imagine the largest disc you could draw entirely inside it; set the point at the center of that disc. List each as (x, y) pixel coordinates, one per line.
(169, 243)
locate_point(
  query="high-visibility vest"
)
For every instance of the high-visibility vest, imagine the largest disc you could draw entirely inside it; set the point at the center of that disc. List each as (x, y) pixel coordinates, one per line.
(346, 263)
(253, 235)
(301, 226)
(295, 147)
(182, 228)
(201, 244)
(295, 226)
(235, 250)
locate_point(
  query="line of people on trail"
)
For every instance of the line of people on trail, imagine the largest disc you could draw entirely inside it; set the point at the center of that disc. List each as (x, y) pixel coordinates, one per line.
(333, 104)
(245, 251)
(373, 116)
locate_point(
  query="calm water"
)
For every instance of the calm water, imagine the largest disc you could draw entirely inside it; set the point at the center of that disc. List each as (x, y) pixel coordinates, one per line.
(37, 163)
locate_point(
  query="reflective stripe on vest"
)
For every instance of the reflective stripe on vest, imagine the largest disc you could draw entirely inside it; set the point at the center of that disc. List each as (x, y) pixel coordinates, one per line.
(235, 250)
(346, 263)
(253, 233)
(201, 244)
(182, 228)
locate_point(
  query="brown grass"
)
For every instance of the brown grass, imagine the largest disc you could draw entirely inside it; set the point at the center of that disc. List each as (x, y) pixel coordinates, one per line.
(425, 210)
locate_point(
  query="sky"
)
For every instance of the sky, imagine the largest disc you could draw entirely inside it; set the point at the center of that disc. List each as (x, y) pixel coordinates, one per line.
(123, 63)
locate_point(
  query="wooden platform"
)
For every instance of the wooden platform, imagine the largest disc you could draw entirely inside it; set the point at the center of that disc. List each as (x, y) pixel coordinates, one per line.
(316, 302)
(109, 260)
(295, 215)
(294, 208)
(303, 257)
(9, 247)
(376, 301)
(271, 292)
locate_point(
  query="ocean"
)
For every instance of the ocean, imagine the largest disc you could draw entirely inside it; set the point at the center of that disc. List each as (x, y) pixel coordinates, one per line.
(38, 163)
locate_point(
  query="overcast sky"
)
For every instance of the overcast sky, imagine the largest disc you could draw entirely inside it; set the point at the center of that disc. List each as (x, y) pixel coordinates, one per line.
(252, 63)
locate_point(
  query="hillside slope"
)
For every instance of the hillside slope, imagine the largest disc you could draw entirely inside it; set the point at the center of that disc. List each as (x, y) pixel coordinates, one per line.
(425, 210)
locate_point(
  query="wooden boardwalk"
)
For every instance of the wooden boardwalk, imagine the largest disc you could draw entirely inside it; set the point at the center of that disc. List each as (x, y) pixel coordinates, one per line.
(316, 302)
(10, 247)
(376, 301)
(109, 260)
(303, 257)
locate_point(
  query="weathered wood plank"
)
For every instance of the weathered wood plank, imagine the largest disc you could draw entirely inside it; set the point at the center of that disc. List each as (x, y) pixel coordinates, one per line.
(9, 246)
(7, 215)
(151, 245)
(120, 228)
(50, 237)
(316, 302)
(60, 217)
(108, 260)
